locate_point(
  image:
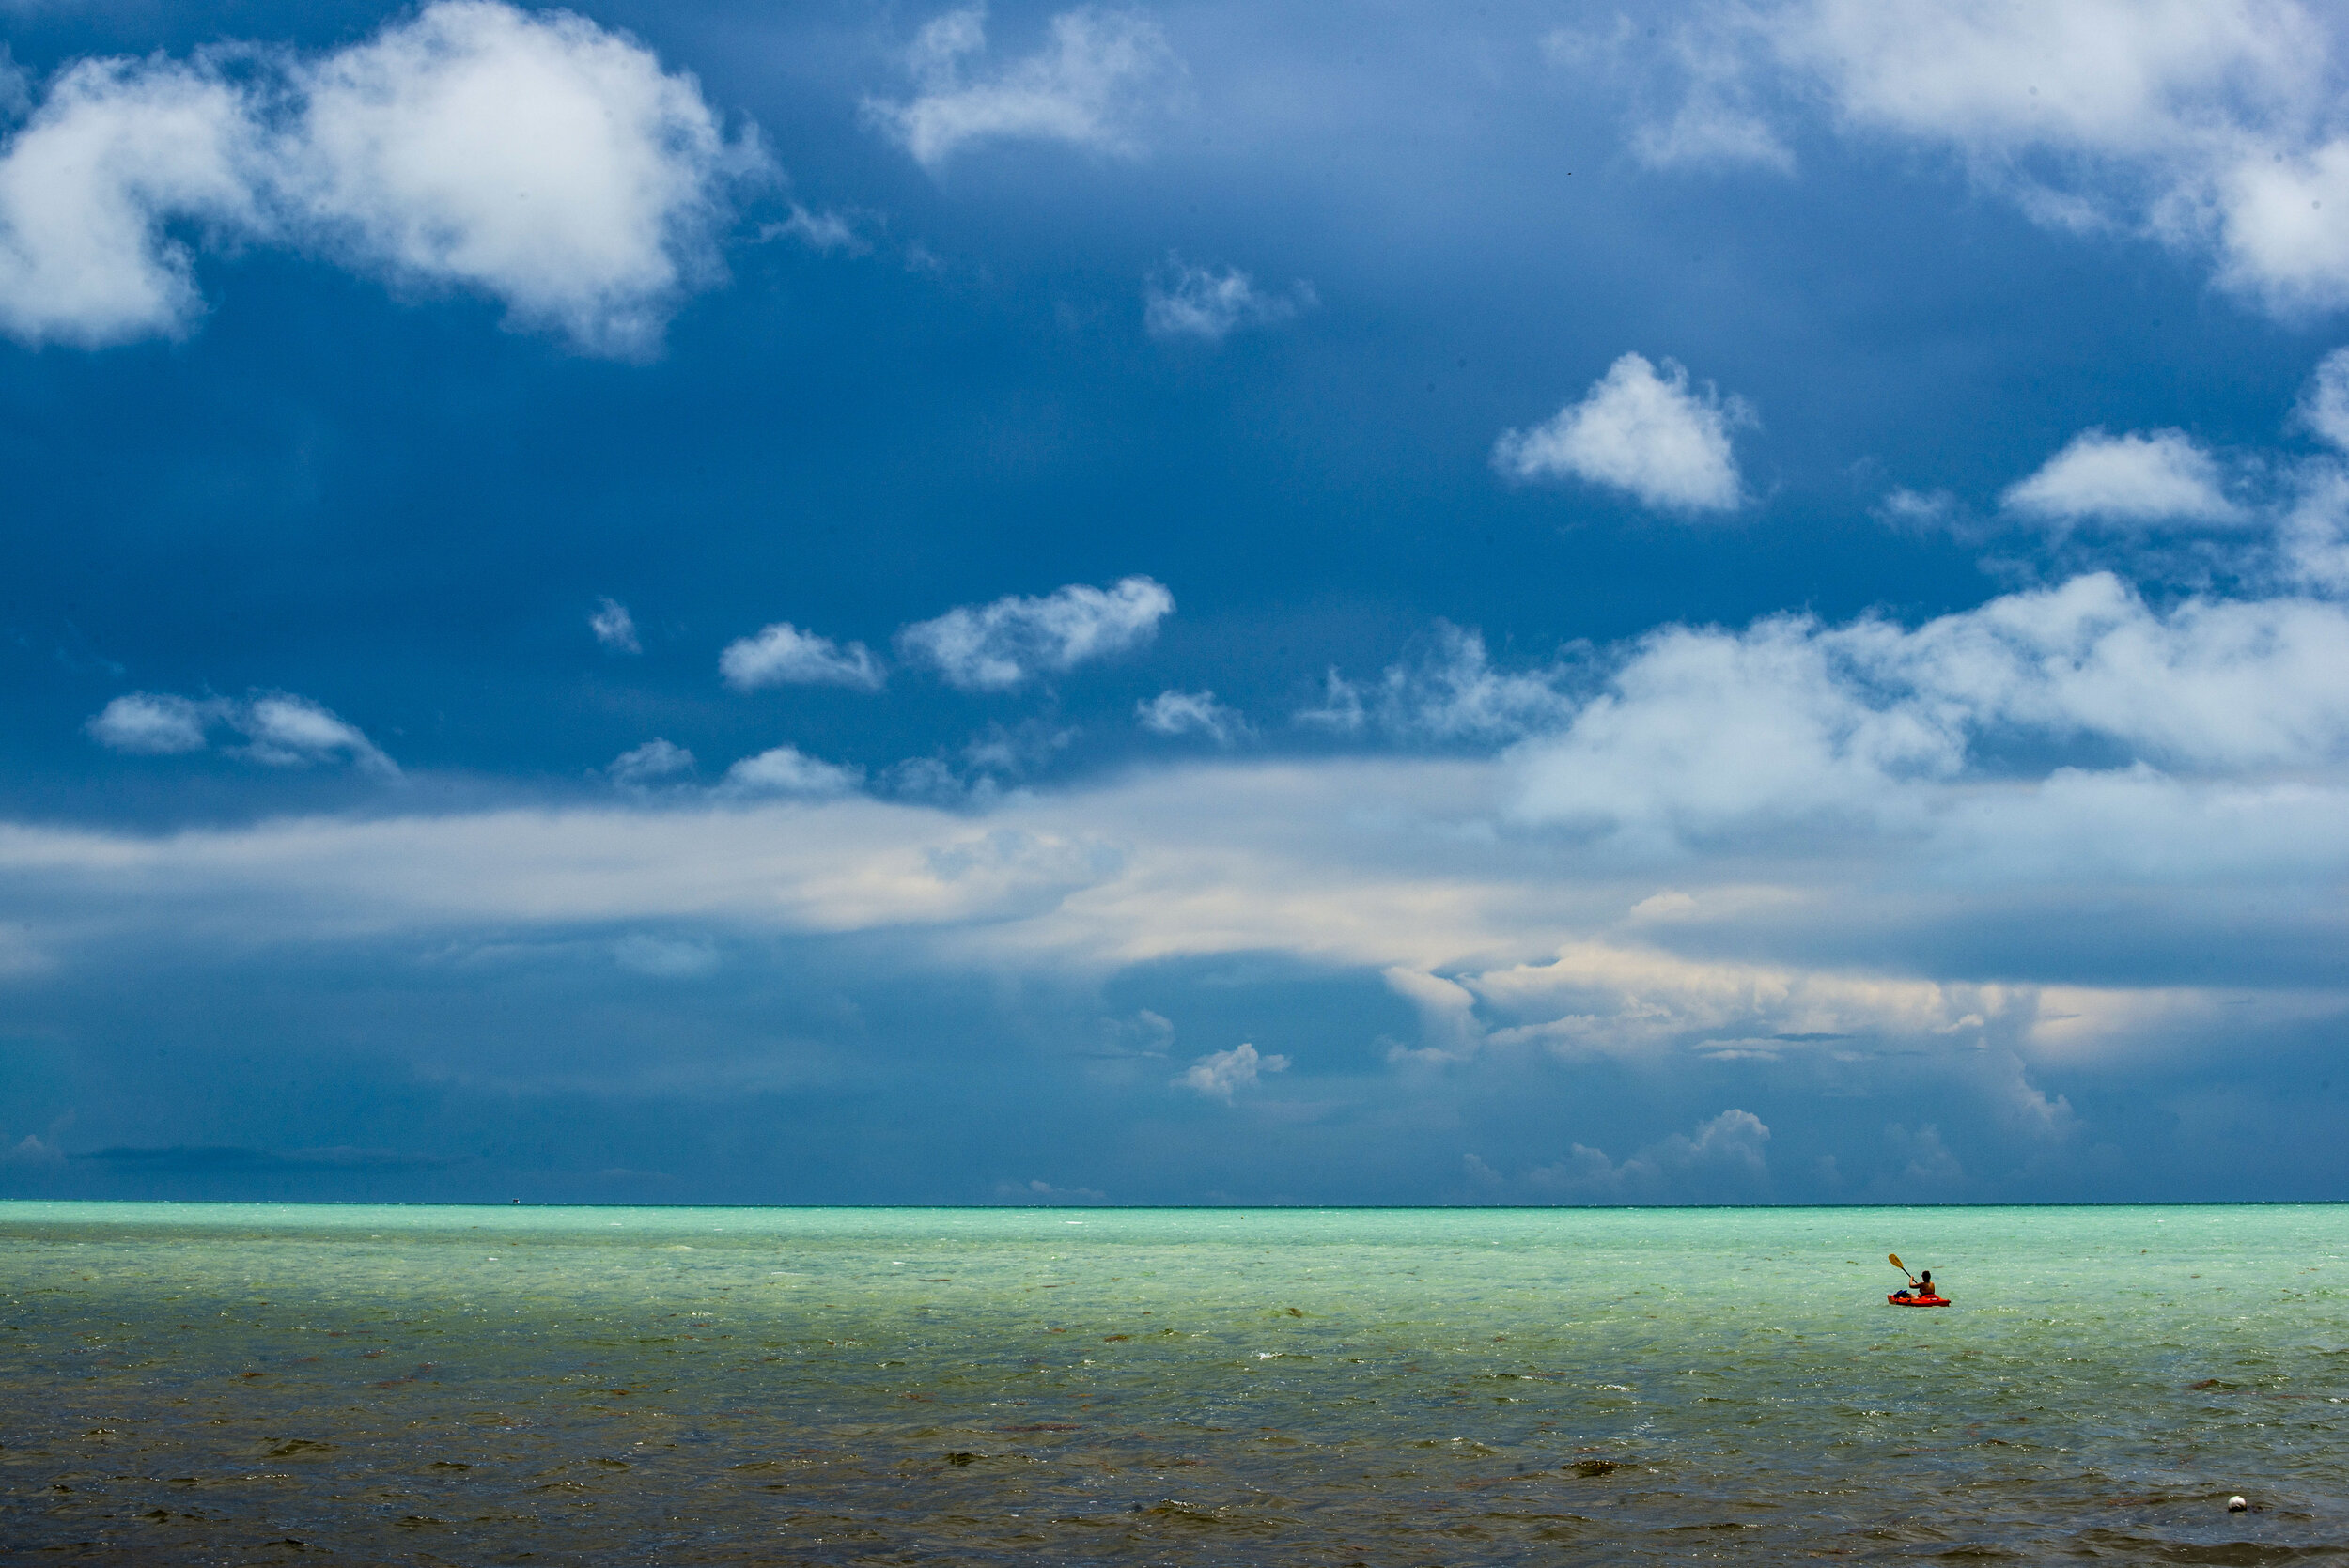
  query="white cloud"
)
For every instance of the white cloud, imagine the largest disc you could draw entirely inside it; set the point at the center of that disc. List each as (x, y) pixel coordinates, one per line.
(994, 647)
(821, 232)
(1708, 130)
(783, 655)
(1790, 721)
(1513, 940)
(1725, 1156)
(1715, 121)
(1016, 748)
(280, 730)
(1773, 848)
(1447, 1014)
(2074, 733)
(2312, 534)
(1922, 512)
(532, 156)
(652, 763)
(2125, 479)
(1183, 301)
(1620, 999)
(1098, 75)
(930, 782)
(2325, 406)
(30, 1151)
(2112, 76)
(614, 628)
(2164, 509)
(2210, 125)
(287, 731)
(1191, 713)
(1045, 1192)
(1450, 693)
(789, 771)
(117, 154)
(1219, 1073)
(1642, 433)
(153, 723)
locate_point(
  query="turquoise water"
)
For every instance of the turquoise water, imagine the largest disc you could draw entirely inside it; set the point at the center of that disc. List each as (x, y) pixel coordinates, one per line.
(218, 1383)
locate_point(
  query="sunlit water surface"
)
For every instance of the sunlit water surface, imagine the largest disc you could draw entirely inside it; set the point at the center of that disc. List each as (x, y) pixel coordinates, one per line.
(216, 1383)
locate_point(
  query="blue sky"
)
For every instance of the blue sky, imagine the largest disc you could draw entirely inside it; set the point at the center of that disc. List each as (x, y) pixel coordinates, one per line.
(1184, 603)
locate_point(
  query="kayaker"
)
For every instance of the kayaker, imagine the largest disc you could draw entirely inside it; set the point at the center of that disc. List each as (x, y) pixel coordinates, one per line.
(1924, 1284)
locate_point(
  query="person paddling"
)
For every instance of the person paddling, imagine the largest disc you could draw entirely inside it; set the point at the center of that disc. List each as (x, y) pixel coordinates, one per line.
(1923, 1290)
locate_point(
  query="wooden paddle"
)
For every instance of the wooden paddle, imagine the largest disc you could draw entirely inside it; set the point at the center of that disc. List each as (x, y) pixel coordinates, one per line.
(1895, 1260)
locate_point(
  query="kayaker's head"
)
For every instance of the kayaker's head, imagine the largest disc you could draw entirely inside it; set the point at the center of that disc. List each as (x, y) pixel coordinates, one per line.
(1927, 1277)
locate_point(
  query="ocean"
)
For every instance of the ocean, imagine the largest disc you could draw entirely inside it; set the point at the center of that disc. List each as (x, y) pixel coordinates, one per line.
(236, 1383)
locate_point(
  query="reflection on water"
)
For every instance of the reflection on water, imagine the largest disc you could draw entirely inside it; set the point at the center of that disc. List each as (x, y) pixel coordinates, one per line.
(228, 1383)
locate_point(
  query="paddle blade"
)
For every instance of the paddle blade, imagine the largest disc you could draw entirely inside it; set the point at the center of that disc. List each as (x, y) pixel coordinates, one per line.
(1895, 1259)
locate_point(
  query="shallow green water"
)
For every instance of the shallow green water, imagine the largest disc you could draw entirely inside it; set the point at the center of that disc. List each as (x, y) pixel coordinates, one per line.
(236, 1383)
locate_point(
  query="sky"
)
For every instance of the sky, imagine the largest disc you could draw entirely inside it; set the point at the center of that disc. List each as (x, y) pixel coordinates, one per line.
(870, 602)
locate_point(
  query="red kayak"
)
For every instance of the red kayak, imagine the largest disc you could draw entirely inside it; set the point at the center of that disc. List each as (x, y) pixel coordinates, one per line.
(1916, 1300)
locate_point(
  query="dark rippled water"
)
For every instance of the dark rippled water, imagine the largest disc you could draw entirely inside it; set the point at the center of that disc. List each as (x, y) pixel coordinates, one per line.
(229, 1384)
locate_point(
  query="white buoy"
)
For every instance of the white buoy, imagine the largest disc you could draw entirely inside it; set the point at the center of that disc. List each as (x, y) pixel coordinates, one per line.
(2236, 1505)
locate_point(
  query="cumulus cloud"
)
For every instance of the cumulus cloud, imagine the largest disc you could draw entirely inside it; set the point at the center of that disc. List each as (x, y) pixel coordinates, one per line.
(1715, 119)
(783, 655)
(29, 1151)
(1451, 692)
(1791, 720)
(279, 729)
(287, 731)
(1217, 1074)
(153, 723)
(1016, 748)
(531, 157)
(1447, 1012)
(932, 782)
(787, 770)
(1184, 301)
(2325, 406)
(1045, 1192)
(2164, 509)
(657, 761)
(1191, 713)
(821, 232)
(1727, 1154)
(2310, 536)
(614, 628)
(2102, 76)
(117, 154)
(1922, 512)
(1097, 77)
(2210, 127)
(994, 647)
(1650, 436)
(2125, 480)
